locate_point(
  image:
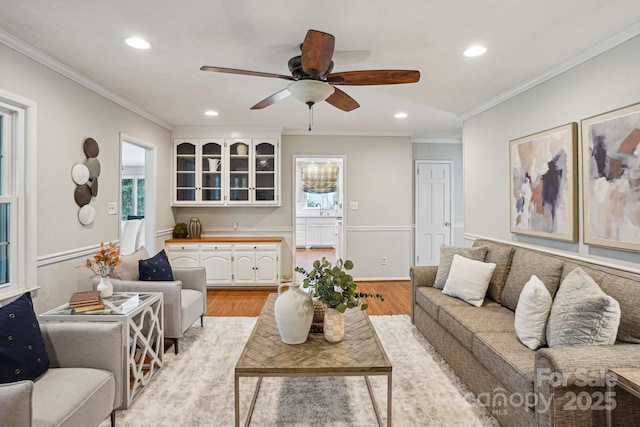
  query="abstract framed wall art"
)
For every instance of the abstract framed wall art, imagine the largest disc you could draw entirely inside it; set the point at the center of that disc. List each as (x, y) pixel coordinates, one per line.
(543, 199)
(611, 178)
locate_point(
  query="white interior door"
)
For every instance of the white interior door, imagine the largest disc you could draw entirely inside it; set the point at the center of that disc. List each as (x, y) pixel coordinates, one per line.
(433, 210)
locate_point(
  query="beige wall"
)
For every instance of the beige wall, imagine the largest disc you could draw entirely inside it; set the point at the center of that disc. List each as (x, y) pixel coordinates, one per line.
(67, 114)
(608, 81)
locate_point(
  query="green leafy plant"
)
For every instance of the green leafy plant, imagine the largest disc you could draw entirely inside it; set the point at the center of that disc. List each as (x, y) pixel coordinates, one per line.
(334, 286)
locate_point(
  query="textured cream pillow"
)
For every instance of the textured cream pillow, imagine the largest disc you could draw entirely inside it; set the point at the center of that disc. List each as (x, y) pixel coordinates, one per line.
(468, 279)
(532, 313)
(446, 257)
(582, 313)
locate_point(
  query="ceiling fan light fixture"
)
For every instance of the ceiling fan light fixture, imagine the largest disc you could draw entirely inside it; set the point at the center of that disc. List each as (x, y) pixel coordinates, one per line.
(137, 43)
(310, 91)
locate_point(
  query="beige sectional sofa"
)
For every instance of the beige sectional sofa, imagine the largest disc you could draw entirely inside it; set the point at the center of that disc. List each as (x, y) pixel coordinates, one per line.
(558, 386)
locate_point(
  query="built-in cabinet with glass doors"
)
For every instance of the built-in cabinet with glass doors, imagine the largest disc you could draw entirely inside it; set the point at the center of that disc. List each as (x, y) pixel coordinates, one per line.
(227, 172)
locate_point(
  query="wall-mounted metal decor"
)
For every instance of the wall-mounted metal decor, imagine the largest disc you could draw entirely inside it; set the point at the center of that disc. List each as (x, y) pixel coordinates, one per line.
(85, 176)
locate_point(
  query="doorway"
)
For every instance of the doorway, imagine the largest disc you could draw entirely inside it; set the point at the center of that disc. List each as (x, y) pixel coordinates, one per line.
(319, 194)
(137, 194)
(433, 210)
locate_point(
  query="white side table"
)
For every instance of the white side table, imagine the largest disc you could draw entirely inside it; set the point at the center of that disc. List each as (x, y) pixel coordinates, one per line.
(142, 318)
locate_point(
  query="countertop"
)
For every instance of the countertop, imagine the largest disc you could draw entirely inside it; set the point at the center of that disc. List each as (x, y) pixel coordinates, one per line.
(228, 239)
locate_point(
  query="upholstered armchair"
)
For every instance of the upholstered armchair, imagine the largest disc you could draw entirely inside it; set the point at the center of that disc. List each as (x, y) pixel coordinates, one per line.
(83, 384)
(185, 297)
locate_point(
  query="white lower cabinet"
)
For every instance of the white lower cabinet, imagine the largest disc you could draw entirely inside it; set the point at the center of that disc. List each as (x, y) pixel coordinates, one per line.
(230, 264)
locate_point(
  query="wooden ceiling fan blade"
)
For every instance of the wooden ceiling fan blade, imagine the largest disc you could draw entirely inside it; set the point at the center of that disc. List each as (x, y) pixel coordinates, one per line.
(244, 72)
(374, 77)
(341, 100)
(278, 96)
(317, 51)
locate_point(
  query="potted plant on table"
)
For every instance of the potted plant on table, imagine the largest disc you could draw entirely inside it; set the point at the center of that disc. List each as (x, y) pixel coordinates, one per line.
(335, 288)
(103, 264)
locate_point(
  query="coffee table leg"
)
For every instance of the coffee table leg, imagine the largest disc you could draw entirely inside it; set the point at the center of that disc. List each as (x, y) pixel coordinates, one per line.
(373, 400)
(236, 392)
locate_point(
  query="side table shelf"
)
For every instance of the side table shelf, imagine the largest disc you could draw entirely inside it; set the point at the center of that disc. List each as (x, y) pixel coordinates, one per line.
(627, 379)
(142, 318)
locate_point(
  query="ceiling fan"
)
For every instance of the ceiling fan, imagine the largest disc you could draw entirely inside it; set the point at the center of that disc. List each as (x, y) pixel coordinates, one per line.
(313, 80)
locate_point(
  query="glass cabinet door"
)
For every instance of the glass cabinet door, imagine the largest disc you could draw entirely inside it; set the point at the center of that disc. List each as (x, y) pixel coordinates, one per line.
(239, 183)
(185, 172)
(211, 167)
(265, 172)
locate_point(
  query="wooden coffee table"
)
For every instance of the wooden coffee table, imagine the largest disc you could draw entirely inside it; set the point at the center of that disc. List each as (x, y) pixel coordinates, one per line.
(359, 354)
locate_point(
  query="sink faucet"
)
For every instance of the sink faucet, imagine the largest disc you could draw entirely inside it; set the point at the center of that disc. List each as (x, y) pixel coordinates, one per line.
(318, 205)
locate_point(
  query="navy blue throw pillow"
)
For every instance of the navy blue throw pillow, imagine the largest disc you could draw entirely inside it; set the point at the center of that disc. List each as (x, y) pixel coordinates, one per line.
(156, 268)
(23, 355)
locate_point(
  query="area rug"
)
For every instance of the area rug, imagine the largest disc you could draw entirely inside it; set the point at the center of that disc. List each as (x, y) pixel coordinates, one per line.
(195, 388)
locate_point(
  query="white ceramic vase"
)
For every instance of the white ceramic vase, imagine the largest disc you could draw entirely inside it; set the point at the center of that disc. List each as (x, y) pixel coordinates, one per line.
(333, 327)
(294, 313)
(105, 287)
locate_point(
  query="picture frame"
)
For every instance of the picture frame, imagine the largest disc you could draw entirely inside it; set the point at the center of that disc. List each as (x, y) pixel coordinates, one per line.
(611, 178)
(543, 190)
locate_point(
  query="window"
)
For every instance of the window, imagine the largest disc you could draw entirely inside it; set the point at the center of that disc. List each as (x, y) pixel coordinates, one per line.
(18, 227)
(132, 198)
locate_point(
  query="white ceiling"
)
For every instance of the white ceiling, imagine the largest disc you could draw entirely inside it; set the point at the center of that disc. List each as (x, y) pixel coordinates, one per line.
(525, 40)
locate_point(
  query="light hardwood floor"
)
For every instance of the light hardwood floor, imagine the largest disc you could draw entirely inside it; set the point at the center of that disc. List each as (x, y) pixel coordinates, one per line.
(220, 302)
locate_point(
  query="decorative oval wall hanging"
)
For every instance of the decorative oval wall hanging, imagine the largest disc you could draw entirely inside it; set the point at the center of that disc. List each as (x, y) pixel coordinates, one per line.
(94, 167)
(91, 148)
(80, 173)
(82, 195)
(86, 214)
(94, 187)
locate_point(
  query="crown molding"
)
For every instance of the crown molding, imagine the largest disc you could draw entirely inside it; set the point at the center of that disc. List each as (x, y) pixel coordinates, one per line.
(343, 133)
(596, 50)
(48, 61)
(437, 140)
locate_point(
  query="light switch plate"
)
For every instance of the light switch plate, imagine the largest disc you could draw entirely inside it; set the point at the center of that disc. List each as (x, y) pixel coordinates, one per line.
(112, 208)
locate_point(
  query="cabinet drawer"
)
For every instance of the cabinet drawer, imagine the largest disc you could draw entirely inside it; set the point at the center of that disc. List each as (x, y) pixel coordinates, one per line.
(216, 248)
(191, 247)
(256, 247)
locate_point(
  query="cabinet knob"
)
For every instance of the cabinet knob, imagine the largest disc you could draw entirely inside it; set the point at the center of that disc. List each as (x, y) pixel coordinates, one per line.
(446, 224)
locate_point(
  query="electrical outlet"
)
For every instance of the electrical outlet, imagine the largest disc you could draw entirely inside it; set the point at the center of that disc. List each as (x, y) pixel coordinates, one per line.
(112, 208)
(383, 260)
(353, 205)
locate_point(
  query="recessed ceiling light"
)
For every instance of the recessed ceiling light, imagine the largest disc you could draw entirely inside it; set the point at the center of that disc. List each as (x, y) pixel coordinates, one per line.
(138, 43)
(475, 51)
(211, 113)
(401, 115)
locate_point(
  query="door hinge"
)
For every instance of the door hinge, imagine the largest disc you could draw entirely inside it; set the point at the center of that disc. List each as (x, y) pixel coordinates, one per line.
(233, 259)
(233, 276)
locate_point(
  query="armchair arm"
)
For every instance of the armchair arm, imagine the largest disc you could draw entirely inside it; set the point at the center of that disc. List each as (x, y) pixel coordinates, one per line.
(16, 403)
(423, 275)
(193, 278)
(96, 345)
(171, 295)
(564, 373)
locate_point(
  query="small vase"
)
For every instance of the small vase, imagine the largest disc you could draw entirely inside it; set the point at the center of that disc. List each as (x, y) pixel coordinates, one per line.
(333, 325)
(195, 228)
(293, 311)
(105, 287)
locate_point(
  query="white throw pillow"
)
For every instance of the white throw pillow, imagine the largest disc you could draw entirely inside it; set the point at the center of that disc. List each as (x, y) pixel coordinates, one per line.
(468, 279)
(532, 313)
(129, 236)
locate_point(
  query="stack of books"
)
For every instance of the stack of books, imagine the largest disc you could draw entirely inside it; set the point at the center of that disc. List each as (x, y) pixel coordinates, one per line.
(86, 301)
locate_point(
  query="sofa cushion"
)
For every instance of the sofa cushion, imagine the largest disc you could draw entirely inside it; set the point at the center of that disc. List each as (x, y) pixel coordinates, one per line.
(463, 322)
(156, 268)
(508, 360)
(446, 258)
(525, 263)
(582, 314)
(128, 268)
(624, 287)
(532, 314)
(73, 396)
(501, 256)
(430, 299)
(23, 355)
(468, 280)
